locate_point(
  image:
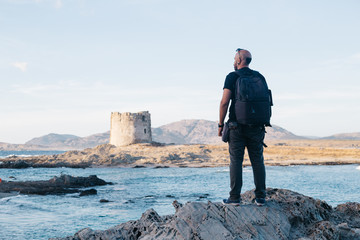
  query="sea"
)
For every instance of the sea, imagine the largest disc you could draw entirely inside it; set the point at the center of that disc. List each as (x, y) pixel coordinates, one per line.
(5, 154)
(137, 189)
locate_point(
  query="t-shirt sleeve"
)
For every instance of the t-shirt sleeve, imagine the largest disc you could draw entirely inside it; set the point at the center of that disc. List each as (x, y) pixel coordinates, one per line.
(229, 82)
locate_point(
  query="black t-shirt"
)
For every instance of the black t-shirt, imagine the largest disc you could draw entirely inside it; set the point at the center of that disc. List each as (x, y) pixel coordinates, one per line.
(230, 84)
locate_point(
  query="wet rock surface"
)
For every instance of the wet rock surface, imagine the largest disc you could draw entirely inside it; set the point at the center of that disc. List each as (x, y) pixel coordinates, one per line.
(287, 215)
(57, 185)
(88, 192)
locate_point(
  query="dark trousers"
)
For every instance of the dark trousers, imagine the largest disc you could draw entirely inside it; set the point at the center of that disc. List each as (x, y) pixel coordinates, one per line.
(252, 138)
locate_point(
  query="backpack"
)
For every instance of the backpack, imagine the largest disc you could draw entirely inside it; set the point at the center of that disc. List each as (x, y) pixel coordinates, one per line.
(253, 99)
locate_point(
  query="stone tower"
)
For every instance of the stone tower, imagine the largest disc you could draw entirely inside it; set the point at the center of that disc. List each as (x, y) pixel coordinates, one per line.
(129, 128)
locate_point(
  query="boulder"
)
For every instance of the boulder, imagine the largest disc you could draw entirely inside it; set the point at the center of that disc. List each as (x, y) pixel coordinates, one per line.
(56, 185)
(88, 192)
(286, 215)
(40, 162)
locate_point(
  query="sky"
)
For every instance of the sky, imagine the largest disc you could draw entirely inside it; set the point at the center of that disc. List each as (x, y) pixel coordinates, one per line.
(65, 65)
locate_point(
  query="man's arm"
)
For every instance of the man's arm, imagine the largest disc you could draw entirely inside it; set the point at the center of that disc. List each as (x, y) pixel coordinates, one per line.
(223, 108)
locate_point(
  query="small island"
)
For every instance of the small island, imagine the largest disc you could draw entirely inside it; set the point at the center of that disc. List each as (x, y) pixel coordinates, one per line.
(278, 153)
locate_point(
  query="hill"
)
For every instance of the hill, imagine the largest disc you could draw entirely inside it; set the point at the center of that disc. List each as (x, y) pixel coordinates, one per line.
(344, 136)
(52, 139)
(205, 132)
(67, 141)
(187, 132)
(192, 131)
(278, 133)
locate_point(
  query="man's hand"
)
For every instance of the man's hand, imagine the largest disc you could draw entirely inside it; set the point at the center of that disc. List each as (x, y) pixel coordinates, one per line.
(220, 131)
(223, 109)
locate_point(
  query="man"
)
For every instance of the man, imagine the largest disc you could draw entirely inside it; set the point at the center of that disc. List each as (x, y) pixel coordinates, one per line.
(250, 136)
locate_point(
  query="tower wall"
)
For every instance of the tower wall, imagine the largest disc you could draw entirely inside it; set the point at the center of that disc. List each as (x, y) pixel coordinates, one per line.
(129, 128)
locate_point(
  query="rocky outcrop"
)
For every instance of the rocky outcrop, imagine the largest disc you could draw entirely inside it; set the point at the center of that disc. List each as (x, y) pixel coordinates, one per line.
(56, 185)
(159, 155)
(39, 162)
(287, 215)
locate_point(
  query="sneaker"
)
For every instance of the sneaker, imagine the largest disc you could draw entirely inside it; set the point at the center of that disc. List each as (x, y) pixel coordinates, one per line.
(260, 201)
(231, 202)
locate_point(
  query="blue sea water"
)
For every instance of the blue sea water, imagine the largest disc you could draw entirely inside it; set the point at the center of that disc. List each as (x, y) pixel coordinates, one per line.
(137, 189)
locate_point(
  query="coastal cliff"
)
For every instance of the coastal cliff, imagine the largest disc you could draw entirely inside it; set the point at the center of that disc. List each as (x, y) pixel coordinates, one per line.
(287, 215)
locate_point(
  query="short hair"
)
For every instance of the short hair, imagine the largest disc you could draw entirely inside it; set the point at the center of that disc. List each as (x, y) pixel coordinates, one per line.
(248, 59)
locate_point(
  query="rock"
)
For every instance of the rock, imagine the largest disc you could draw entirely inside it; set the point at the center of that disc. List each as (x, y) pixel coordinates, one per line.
(161, 167)
(177, 205)
(68, 180)
(351, 212)
(348, 233)
(43, 162)
(287, 215)
(324, 230)
(88, 192)
(204, 195)
(20, 164)
(139, 166)
(56, 185)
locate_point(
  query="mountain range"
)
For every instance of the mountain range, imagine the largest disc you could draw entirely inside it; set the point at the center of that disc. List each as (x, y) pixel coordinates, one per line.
(182, 132)
(345, 136)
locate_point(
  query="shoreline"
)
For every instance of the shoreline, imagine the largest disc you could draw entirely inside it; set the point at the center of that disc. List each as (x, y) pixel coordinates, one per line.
(24, 163)
(278, 153)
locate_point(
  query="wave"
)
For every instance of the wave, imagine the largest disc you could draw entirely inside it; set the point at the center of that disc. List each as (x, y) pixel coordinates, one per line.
(358, 167)
(13, 155)
(7, 154)
(245, 169)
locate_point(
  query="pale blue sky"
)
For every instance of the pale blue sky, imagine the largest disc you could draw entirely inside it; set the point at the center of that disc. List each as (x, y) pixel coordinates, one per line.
(65, 65)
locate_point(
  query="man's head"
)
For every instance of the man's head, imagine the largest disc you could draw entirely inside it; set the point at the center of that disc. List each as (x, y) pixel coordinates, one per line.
(242, 58)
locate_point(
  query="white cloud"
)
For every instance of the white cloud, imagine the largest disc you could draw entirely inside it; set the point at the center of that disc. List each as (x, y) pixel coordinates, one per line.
(20, 65)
